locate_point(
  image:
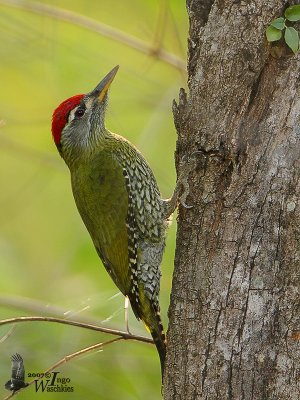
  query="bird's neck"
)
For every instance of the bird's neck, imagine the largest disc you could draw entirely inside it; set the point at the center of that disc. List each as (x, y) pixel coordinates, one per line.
(81, 151)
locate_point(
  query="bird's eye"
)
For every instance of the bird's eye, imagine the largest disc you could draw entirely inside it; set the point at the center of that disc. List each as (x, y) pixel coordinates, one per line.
(79, 112)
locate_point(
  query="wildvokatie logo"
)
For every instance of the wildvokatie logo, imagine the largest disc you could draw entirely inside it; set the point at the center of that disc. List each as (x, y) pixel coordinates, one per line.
(44, 382)
(51, 382)
(17, 379)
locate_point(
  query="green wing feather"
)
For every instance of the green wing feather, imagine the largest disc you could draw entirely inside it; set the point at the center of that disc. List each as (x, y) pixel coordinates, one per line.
(101, 198)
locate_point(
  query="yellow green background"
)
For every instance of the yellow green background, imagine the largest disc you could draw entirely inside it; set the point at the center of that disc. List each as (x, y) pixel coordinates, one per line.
(47, 259)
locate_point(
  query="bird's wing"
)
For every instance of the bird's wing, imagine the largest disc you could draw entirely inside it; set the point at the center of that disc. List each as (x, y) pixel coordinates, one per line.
(145, 195)
(132, 246)
(145, 222)
(119, 232)
(17, 369)
(102, 200)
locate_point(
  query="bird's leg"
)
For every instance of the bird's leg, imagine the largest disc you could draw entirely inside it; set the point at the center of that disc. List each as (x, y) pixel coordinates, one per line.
(126, 305)
(182, 188)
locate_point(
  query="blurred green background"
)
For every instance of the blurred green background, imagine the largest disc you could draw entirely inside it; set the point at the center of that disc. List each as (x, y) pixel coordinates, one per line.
(48, 265)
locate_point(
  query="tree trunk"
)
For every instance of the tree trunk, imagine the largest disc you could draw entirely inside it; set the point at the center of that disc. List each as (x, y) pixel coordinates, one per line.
(234, 328)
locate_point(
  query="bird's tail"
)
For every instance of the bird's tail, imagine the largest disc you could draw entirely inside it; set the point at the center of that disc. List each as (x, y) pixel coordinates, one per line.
(149, 312)
(159, 337)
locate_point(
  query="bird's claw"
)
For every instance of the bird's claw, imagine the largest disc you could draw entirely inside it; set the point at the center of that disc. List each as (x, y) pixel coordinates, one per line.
(185, 205)
(185, 158)
(182, 190)
(186, 170)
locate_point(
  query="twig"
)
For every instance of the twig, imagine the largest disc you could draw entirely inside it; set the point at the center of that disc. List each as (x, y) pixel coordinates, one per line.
(28, 152)
(8, 334)
(33, 306)
(124, 335)
(161, 25)
(98, 27)
(67, 359)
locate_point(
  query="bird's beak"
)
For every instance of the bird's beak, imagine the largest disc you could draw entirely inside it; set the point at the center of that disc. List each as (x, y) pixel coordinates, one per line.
(102, 87)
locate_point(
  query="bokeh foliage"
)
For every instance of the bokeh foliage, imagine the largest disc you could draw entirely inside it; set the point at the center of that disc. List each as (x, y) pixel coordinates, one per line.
(46, 255)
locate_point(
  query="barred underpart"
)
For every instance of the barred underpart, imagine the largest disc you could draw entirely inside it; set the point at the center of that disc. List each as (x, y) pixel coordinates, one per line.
(145, 220)
(132, 241)
(149, 268)
(148, 206)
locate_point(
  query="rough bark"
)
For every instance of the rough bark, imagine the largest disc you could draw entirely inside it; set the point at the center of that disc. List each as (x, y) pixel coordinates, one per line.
(234, 328)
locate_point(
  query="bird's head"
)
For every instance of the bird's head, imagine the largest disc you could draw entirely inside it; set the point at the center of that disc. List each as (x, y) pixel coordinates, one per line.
(9, 385)
(78, 122)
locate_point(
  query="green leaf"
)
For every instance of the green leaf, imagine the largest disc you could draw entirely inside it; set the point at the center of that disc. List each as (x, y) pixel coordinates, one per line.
(273, 34)
(291, 38)
(292, 13)
(278, 23)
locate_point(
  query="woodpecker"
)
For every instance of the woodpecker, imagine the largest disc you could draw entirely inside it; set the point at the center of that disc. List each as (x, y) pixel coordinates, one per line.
(119, 201)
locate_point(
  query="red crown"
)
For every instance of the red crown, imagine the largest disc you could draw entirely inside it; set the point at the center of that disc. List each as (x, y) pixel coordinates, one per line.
(61, 114)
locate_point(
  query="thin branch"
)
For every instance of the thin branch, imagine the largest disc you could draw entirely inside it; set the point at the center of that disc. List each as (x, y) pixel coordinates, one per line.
(98, 27)
(27, 152)
(124, 335)
(34, 306)
(161, 25)
(66, 359)
(8, 334)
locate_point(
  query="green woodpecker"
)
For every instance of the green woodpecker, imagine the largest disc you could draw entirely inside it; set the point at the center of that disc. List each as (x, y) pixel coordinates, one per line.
(119, 202)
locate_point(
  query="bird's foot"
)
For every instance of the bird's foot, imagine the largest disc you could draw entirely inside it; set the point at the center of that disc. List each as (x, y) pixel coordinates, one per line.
(186, 165)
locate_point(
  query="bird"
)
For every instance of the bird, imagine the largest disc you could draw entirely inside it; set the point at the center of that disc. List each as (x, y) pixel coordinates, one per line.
(119, 201)
(17, 380)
